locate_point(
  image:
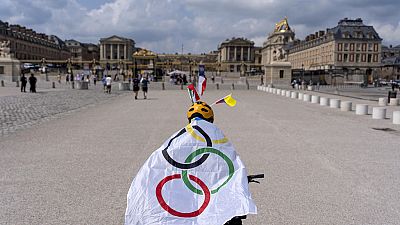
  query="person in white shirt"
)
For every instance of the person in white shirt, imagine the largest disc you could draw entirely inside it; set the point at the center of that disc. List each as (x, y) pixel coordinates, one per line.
(108, 84)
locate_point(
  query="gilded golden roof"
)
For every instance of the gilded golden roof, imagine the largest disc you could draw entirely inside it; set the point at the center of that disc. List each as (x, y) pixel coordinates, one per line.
(282, 26)
(144, 53)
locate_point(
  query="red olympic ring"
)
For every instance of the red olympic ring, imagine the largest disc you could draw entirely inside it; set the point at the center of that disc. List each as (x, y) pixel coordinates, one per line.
(166, 207)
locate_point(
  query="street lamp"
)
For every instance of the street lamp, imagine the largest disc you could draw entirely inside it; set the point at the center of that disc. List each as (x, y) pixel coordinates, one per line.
(94, 67)
(302, 72)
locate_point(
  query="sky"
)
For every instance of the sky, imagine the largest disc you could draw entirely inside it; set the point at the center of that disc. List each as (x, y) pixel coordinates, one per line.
(200, 26)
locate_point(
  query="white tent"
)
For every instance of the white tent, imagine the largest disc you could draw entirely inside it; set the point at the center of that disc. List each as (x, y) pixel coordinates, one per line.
(176, 72)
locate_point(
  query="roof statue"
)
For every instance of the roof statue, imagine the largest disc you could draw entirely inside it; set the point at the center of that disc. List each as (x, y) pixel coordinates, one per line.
(5, 49)
(282, 26)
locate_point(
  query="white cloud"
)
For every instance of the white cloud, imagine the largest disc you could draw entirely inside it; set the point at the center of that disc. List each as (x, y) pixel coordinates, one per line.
(163, 26)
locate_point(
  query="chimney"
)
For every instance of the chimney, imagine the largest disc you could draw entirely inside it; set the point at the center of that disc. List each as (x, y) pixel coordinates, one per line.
(316, 34)
(321, 33)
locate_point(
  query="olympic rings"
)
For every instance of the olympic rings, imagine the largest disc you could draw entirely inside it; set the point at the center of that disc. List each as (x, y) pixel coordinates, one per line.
(190, 165)
(167, 208)
(184, 165)
(202, 151)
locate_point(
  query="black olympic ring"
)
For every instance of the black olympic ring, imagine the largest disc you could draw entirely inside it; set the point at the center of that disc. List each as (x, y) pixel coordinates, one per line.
(186, 166)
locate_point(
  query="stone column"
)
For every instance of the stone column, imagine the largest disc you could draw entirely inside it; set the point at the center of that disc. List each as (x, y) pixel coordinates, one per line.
(101, 52)
(111, 51)
(241, 53)
(234, 59)
(125, 58)
(248, 54)
(118, 56)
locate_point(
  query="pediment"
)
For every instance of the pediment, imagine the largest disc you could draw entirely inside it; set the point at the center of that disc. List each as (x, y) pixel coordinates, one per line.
(114, 38)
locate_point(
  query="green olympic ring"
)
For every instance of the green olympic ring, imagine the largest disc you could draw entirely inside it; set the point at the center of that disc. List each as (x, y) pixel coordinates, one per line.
(202, 151)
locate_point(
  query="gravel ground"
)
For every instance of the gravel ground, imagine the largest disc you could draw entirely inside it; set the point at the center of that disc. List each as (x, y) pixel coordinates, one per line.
(322, 166)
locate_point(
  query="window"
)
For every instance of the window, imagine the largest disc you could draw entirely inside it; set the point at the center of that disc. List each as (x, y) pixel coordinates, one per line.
(1, 69)
(358, 58)
(281, 72)
(369, 58)
(346, 46)
(370, 47)
(358, 47)
(375, 58)
(351, 57)
(364, 47)
(340, 47)
(345, 58)
(339, 57)
(363, 58)
(375, 47)
(352, 47)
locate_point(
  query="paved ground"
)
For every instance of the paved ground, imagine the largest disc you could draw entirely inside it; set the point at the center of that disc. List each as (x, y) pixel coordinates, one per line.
(322, 166)
(22, 110)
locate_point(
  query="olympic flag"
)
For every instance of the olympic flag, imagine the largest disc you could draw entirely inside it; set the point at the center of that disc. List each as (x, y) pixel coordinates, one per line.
(194, 178)
(202, 82)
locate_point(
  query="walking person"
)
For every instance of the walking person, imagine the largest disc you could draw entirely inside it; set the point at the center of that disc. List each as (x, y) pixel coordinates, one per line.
(94, 79)
(108, 83)
(32, 83)
(144, 82)
(23, 83)
(103, 80)
(135, 83)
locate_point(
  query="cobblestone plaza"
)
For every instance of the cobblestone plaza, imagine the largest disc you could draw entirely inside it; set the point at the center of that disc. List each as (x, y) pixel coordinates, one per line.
(68, 156)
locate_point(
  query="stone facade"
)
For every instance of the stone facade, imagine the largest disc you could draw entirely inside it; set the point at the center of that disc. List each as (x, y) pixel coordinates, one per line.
(277, 69)
(83, 51)
(10, 68)
(27, 45)
(390, 69)
(236, 55)
(115, 49)
(350, 48)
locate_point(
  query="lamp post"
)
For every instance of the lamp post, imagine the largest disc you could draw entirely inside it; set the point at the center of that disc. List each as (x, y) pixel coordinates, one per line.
(94, 67)
(302, 72)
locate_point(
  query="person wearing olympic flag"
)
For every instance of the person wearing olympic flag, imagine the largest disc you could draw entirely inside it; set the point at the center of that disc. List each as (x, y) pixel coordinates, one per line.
(194, 178)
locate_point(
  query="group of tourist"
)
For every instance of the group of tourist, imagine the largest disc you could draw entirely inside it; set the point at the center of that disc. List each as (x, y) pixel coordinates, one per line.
(178, 79)
(79, 77)
(32, 82)
(143, 82)
(302, 84)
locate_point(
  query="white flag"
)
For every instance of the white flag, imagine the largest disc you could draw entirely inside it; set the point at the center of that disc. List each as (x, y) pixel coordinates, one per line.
(194, 178)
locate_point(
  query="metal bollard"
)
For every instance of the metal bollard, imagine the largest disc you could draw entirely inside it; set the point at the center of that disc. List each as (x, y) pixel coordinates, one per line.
(233, 86)
(54, 84)
(163, 86)
(17, 83)
(2, 83)
(217, 86)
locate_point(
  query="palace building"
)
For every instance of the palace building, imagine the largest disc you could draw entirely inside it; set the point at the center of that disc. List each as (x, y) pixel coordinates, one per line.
(83, 51)
(236, 55)
(277, 68)
(350, 48)
(114, 49)
(26, 44)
